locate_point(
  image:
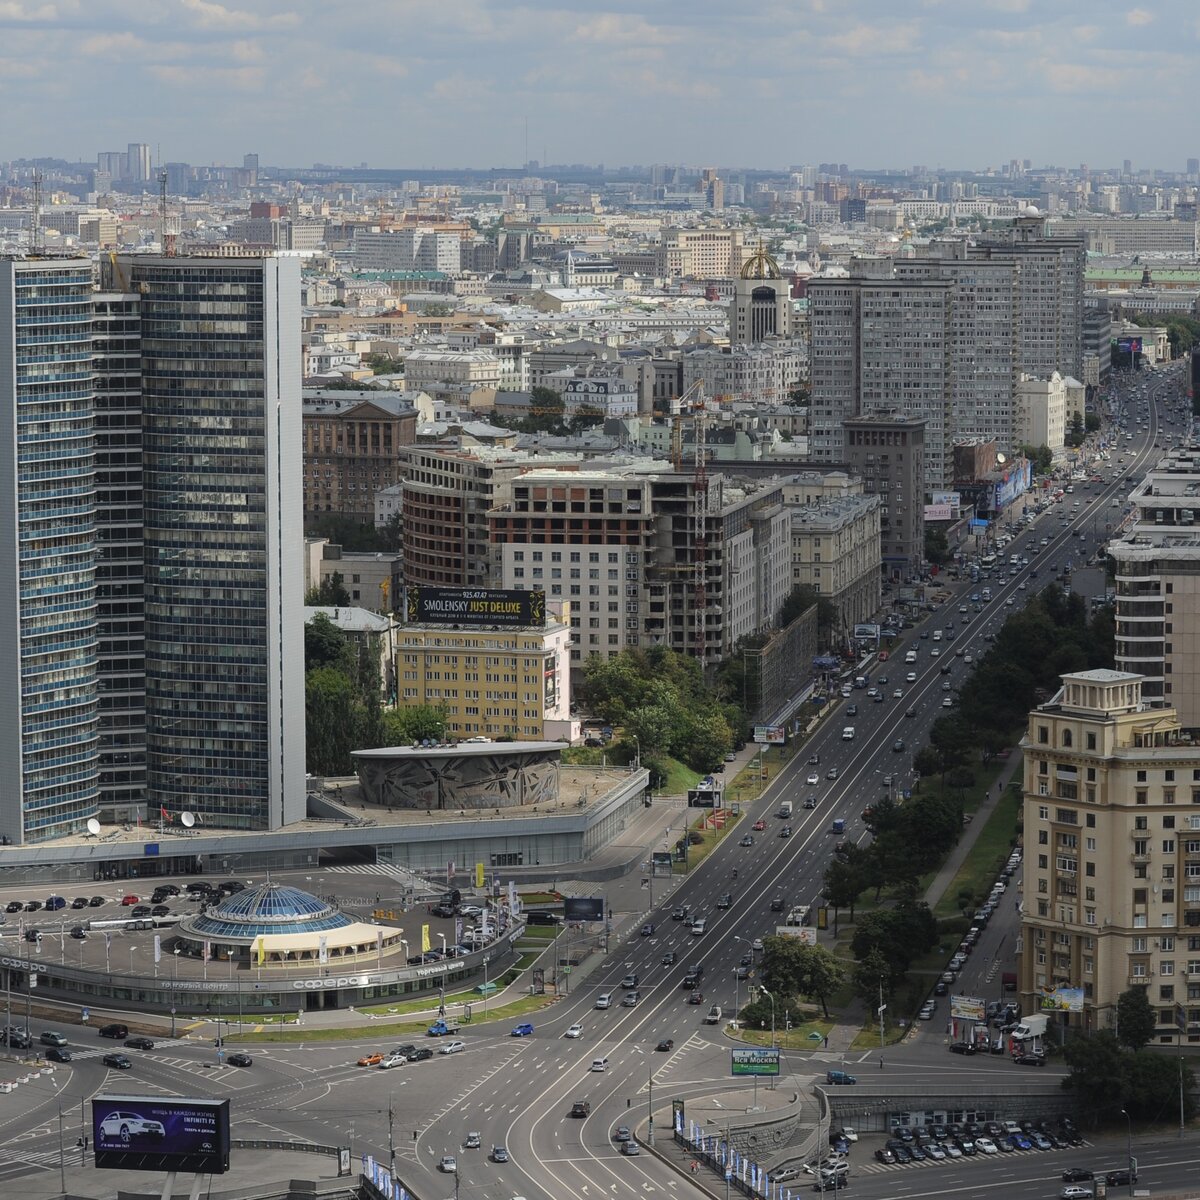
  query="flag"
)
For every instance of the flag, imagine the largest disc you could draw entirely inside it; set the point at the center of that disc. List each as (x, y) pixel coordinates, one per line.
(139, 818)
(424, 938)
(166, 816)
(157, 948)
(262, 950)
(479, 874)
(323, 948)
(208, 951)
(379, 941)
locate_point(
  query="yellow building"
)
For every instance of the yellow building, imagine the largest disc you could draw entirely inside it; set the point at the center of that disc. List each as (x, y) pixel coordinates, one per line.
(512, 682)
(1112, 855)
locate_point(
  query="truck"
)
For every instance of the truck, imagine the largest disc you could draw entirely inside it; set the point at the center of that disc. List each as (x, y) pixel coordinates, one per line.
(713, 1016)
(442, 1027)
(839, 825)
(1008, 981)
(785, 810)
(798, 915)
(911, 656)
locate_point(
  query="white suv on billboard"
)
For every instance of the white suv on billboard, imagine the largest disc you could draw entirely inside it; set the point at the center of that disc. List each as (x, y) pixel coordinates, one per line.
(126, 1125)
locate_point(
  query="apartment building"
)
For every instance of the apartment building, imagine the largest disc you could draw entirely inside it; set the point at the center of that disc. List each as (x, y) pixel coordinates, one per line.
(619, 543)
(352, 450)
(762, 375)
(447, 496)
(707, 252)
(1158, 586)
(439, 371)
(887, 450)
(882, 344)
(410, 249)
(836, 551)
(1129, 236)
(1112, 853)
(513, 682)
(1040, 412)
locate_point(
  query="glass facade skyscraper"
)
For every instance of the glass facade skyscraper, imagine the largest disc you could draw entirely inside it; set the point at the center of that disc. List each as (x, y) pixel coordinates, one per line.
(48, 629)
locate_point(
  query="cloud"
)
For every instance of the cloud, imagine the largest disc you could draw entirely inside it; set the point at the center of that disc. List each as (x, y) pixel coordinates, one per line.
(216, 16)
(243, 79)
(14, 10)
(621, 29)
(1138, 16)
(870, 40)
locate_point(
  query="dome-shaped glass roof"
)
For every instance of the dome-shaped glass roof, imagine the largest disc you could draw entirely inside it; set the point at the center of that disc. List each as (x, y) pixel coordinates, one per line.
(270, 908)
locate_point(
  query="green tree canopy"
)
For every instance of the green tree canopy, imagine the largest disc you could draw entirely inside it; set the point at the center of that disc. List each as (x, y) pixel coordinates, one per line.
(800, 970)
(414, 723)
(1136, 1021)
(329, 593)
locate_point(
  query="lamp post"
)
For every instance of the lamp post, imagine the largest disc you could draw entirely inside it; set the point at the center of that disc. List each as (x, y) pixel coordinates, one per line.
(175, 990)
(443, 937)
(131, 950)
(1129, 1146)
(637, 762)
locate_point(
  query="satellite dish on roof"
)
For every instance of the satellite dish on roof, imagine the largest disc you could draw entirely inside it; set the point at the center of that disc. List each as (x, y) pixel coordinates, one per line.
(187, 819)
(1001, 459)
(93, 826)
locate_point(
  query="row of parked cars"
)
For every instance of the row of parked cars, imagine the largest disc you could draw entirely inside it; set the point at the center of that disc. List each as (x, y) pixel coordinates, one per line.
(937, 1143)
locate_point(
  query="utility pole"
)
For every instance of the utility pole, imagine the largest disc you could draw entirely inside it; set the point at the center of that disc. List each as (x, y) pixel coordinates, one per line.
(650, 1103)
(62, 1156)
(391, 1135)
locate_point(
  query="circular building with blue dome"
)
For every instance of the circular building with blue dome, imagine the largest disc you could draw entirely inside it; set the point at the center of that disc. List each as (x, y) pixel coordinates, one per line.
(276, 925)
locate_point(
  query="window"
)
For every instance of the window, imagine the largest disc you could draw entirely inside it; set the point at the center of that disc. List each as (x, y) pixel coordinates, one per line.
(1043, 735)
(1091, 741)
(1066, 738)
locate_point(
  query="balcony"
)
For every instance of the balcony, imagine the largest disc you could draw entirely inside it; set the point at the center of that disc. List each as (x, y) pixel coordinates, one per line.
(1139, 858)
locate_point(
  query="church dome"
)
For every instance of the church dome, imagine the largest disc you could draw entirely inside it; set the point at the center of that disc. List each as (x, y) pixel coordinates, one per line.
(760, 265)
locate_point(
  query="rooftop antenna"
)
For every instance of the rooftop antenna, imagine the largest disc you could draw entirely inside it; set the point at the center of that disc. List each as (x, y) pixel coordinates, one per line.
(35, 236)
(167, 240)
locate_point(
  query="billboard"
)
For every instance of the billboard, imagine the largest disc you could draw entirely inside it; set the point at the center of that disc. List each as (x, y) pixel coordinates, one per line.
(1062, 999)
(939, 512)
(754, 1062)
(583, 908)
(1128, 345)
(143, 1133)
(704, 797)
(770, 735)
(967, 1008)
(473, 606)
(954, 499)
(806, 937)
(866, 633)
(1015, 482)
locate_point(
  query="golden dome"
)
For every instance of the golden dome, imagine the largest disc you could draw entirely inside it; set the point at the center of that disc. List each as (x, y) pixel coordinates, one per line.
(760, 265)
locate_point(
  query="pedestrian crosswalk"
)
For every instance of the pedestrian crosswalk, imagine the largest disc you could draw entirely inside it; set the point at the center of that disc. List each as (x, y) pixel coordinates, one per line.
(401, 874)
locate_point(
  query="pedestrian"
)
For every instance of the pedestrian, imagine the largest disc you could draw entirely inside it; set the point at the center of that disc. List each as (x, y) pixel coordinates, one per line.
(827, 1041)
(881, 1062)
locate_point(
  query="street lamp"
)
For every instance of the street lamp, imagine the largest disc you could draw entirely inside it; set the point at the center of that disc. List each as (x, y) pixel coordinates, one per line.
(637, 762)
(443, 937)
(131, 950)
(1129, 1146)
(762, 991)
(175, 990)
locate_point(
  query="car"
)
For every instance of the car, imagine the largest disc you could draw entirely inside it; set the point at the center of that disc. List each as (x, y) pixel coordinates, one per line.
(725, 901)
(967, 1048)
(680, 912)
(630, 999)
(421, 1053)
(79, 933)
(370, 1060)
(648, 929)
(472, 1141)
(630, 980)
(945, 669)
(1041, 1141)
(159, 910)
(244, 1060)
(986, 1146)
(97, 902)
(1077, 1175)
(786, 831)
(898, 746)
(813, 779)
(115, 1030)
(631, 1149)
(849, 1133)
(934, 1150)
(499, 1154)
(13, 906)
(927, 1011)
(119, 1062)
(947, 702)
(130, 901)
(742, 972)
(58, 1054)
(952, 1150)
(1075, 1192)
(455, 1047)
(393, 1060)
(898, 694)
(139, 1043)
(757, 945)
(884, 1155)
(669, 959)
(622, 1134)
(448, 1163)
(666, 1045)
(579, 1110)
(940, 988)
(33, 905)
(832, 773)
(574, 1031)
(1030, 1060)
(759, 825)
(79, 902)
(911, 677)
(852, 710)
(747, 840)
(1021, 1141)
(1120, 1178)
(902, 1153)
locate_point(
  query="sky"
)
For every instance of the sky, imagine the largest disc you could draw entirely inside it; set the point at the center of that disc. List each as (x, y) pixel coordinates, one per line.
(964, 84)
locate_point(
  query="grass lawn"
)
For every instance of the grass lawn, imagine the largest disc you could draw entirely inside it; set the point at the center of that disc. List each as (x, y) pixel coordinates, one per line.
(712, 839)
(985, 858)
(540, 933)
(795, 1038)
(867, 1037)
(679, 778)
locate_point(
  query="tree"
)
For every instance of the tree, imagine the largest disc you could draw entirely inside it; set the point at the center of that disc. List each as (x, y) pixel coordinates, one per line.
(937, 548)
(843, 884)
(329, 593)
(1135, 1018)
(325, 645)
(1041, 457)
(1091, 422)
(800, 599)
(1097, 1076)
(332, 714)
(1075, 431)
(414, 723)
(651, 725)
(872, 974)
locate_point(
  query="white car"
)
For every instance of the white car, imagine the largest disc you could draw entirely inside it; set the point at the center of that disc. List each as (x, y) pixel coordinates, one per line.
(452, 1047)
(448, 1163)
(947, 702)
(986, 1146)
(936, 652)
(574, 1031)
(469, 910)
(952, 1151)
(757, 944)
(392, 1060)
(850, 1134)
(814, 779)
(126, 1125)
(911, 677)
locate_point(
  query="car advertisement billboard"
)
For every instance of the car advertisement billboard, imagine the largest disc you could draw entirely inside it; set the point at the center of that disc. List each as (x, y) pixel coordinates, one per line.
(583, 908)
(474, 606)
(770, 735)
(754, 1062)
(145, 1133)
(1062, 999)
(967, 1008)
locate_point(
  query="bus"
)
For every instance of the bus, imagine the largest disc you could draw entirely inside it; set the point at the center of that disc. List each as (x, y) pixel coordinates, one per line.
(988, 562)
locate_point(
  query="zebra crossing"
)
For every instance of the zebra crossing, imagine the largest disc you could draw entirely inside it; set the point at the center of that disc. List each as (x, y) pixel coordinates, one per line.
(400, 874)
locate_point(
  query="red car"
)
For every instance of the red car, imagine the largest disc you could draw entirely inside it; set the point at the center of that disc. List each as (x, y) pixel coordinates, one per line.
(129, 900)
(759, 825)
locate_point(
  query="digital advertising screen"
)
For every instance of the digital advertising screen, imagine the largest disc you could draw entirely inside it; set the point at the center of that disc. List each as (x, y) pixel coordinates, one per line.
(583, 908)
(155, 1133)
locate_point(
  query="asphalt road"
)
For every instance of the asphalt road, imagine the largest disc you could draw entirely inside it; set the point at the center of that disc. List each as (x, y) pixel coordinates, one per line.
(517, 1092)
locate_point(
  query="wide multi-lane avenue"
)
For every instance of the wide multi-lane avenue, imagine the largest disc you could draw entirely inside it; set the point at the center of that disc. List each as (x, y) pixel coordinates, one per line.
(516, 1093)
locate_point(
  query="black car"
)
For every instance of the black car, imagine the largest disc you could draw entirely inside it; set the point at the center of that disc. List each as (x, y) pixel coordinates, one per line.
(786, 831)
(141, 910)
(962, 1048)
(79, 902)
(114, 1031)
(139, 1043)
(13, 906)
(666, 1045)
(33, 905)
(939, 988)
(119, 1062)
(670, 958)
(420, 1054)
(59, 1054)
(97, 902)
(689, 981)
(777, 904)
(1029, 1060)
(240, 1060)
(78, 933)
(159, 910)
(1120, 1178)
(901, 1153)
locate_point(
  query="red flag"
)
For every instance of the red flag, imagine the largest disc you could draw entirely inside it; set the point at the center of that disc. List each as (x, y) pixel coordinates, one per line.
(166, 815)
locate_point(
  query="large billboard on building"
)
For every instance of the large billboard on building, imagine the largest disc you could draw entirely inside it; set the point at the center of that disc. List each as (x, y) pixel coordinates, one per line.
(473, 606)
(1063, 999)
(939, 512)
(155, 1133)
(967, 1008)
(806, 937)
(1015, 482)
(954, 499)
(1128, 345)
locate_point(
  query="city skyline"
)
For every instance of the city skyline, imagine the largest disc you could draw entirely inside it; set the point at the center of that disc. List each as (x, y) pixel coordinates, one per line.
(414, 85)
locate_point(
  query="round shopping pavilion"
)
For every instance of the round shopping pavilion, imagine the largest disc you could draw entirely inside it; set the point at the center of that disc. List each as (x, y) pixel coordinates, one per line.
(266, 949)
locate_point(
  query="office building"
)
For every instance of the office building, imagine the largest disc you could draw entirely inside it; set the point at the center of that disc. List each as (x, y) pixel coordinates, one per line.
(221, 458)
(1127, 236)
(1158, 586)
(880, 343)
(352, 450)
(707, 252)
(836, 551)
(762, 303)
(48, 626)
(1040, 412)
(887, 449)
(1112, 854)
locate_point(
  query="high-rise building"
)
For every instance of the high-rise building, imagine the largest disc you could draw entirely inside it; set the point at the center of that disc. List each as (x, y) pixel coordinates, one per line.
(1112, 854)
(138, 163)
(762, 302)
(221, 514)
(48, 633)
(882, 344)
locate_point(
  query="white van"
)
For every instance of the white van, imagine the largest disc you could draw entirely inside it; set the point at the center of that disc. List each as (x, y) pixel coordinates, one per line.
(604, 1001)
(699, 927)
(911, 657)
(848, 733)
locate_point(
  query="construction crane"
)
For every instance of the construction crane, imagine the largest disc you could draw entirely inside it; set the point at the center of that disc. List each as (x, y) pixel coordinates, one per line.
(166, 240)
